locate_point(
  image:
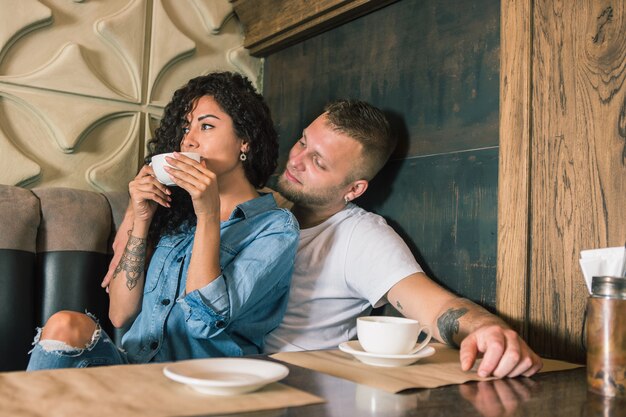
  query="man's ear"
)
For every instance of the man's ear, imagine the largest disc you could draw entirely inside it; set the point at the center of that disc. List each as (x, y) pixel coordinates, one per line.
(357, 188)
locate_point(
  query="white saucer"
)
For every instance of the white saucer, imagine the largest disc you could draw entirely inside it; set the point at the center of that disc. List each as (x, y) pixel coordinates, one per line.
(226, 376)
(354, 348)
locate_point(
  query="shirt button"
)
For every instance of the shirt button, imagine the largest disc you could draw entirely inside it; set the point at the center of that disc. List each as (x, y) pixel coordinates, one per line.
(220, 324)
(165, 301)
(154, 345)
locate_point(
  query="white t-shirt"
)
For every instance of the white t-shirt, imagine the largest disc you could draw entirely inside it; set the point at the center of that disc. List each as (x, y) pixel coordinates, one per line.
(344, 266)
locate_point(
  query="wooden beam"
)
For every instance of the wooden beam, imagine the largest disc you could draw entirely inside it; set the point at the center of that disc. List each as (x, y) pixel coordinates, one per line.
(270, 25)
(514, 205)
(578, 180)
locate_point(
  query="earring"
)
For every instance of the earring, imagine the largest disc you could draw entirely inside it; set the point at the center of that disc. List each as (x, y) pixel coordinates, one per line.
(346, 200)
(243, 156)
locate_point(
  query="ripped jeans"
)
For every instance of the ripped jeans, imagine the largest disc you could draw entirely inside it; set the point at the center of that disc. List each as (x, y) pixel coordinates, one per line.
(53, 354)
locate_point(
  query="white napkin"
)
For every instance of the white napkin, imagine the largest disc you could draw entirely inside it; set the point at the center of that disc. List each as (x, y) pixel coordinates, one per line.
(602, 262)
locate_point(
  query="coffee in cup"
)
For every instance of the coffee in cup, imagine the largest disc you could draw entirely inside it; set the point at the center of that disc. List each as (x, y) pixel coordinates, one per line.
(159, 163)
(389, 335)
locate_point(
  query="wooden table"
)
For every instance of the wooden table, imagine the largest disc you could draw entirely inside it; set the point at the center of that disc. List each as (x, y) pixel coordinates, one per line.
(561, 393)
(558, 393)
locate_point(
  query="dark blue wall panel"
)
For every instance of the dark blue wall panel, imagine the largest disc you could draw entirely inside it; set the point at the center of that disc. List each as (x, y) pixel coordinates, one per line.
(433, 67)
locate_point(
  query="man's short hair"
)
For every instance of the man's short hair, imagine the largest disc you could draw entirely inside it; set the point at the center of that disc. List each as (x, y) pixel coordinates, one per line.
(367, 125)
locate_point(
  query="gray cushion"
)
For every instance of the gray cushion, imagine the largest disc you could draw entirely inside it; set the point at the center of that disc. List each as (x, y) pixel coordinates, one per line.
(19, 218)
(73, 220)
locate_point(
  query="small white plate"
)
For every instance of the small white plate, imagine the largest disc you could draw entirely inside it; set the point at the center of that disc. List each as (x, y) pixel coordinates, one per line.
(226, 376)
(354, 348)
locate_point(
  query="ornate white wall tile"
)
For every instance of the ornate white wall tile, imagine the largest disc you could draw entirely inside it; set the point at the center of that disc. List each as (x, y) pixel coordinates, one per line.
(168, 45)
(80, 98)
(27, 123)
(249, 66)
(152, 122)
(67, 72)
(20, 21)
(125, 31)
(15, 168)
(112, 174)
(210, 54)
(102, 142)
(213, 13)
(70, 123)
(72, 23)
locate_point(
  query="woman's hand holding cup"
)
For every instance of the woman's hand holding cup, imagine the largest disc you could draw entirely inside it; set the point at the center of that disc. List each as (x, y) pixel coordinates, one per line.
(188, 171)
(161, 161)
(145, 193)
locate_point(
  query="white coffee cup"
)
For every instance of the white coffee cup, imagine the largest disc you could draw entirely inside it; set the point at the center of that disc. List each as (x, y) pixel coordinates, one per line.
(389, 335)
(159, 163)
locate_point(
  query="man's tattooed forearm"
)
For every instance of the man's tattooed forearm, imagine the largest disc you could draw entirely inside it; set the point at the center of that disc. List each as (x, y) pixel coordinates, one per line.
(132, 261)
(448, 324)
(398, 305)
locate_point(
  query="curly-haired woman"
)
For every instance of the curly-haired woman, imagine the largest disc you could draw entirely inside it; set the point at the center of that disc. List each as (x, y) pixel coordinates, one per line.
(220, 253)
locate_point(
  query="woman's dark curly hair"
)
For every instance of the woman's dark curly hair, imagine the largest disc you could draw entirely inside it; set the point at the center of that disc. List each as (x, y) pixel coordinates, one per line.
(252, 123)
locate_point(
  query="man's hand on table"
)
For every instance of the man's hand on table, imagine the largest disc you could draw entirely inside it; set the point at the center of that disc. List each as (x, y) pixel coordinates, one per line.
(456, 319)
(504, 353)
(499, 397)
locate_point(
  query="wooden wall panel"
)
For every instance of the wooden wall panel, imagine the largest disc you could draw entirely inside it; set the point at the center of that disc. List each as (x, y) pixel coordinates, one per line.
(514, 168)
(271, 25)
(439, 80)
(444, 206)
(433, 66)
(562, 129)
(578, 175)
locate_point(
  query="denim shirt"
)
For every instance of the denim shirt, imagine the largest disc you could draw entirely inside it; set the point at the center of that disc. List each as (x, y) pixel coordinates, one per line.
(232, 314)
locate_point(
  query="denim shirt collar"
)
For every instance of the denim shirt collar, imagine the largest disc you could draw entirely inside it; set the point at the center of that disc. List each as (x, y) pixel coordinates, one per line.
(250, 208)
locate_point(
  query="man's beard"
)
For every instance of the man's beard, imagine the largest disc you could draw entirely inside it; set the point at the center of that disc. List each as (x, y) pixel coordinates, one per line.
(310, 198)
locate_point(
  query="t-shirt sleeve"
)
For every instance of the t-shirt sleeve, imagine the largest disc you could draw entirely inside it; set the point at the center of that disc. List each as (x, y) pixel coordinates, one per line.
(376, 259)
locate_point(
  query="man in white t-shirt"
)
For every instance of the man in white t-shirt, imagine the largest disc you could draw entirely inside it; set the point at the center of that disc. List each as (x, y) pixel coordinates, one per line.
(349, 259)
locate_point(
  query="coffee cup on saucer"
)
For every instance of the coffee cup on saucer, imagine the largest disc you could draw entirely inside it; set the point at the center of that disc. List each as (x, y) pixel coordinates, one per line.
(159, 163)
(389, 335)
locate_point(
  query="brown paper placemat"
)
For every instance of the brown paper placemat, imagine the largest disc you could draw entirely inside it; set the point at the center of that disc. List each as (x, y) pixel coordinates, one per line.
(442, 368)
(128, 390)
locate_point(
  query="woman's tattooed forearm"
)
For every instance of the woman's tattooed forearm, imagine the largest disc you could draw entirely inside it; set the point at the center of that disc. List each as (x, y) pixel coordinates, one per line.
(132, 261)
(448, 324)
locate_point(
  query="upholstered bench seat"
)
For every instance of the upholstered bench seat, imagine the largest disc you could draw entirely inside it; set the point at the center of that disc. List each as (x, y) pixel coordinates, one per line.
(54, 251)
